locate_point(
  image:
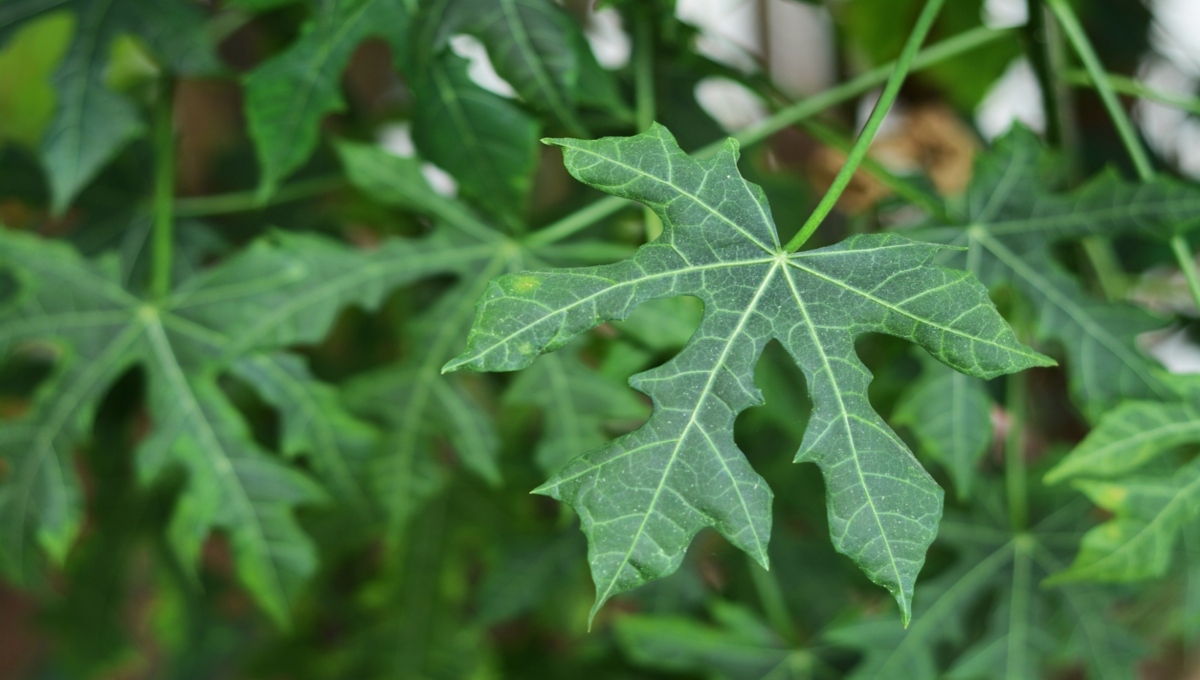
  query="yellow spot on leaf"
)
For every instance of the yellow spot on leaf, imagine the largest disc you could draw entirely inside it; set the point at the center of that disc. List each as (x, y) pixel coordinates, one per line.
(526, 284)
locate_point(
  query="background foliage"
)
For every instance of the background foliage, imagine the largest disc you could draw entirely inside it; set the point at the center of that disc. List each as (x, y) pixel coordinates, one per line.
(241, 239)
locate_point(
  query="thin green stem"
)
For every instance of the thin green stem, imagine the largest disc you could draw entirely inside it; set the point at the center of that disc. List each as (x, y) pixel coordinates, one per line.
(770, 595)
(644, 94)
(1107, 267)
(902, 187)
(247, 201)
(1037, 49)
(1141, 161)
(1183, 255)
(856, 155)
(1135, 88)
(1079, 41)
(1098, 249)
(164, 192)
(785, 118)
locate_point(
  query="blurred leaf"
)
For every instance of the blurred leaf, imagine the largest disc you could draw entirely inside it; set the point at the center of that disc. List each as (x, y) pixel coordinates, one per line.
(26, 63)
(729, 650)
(537, 48)
(576, 404)
(1013, 224)
(950, 414)
(874, 26)
(485, 141)
(92, 123)
(275, 294)
(287, 96)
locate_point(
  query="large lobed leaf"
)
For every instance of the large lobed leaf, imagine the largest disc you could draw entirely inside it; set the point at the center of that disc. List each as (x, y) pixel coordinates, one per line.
(644, 496)
(276, 294)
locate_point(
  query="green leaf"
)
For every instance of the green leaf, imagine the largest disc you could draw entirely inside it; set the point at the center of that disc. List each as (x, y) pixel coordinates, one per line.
(739, 646)
(576, 404)
(1013, 224)
(891, 651)
(534, 45)
(951, 416)
(315, 424)
(287, 96)
(1128, 437)
(92, 123)
(420, 406)
(276, 294)
(643, 497)
(26, 64)
(1151, 510)
(485, 141)
(1022, 639)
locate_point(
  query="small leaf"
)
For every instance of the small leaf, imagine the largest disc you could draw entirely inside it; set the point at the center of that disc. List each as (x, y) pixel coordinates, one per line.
(532, 44)
(643, 497)
(950, 414)
(576, 403)
(287, 96)
(1127, 438)
(1138, 543)
(92, 123)
(682, 645)
(485, 141)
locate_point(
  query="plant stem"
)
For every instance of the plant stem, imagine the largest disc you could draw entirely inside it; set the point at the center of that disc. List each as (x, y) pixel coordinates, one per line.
(1129, 86)
(1037, 49)
(164, 192)
(1079, 41)
(1104, 262)
(1098, 249)
(859, 151)
(770, 595)
(247, 201)
(644, 94)
(947, 49)
(1133, 145)
(1183, 255)
(903, 188)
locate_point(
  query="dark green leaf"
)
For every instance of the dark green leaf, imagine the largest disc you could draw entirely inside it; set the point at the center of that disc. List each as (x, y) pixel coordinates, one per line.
(642, 498)
(287, 96)
(274, 295)
(950, 414)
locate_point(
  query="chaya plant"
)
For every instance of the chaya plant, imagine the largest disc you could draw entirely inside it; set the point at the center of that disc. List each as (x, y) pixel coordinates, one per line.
(233, 432)
(644, 496)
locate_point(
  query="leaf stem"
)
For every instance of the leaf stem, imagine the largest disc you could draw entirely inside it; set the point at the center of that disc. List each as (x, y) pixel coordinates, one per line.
(907, 190)
(1079, 41)
(770, 595)
(1183, 255)
(644, 94)
(784, 118)
(1141, 161)
(1124, 85)
(247, 201)
(1060, 108)
(859, 151)
(164, 191)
